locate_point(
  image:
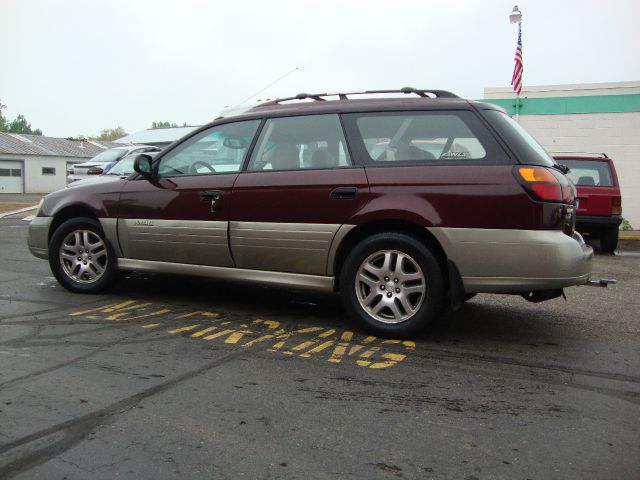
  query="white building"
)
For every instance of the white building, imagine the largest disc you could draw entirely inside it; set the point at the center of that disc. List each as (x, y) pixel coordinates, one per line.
(597, 117)
(38, 164)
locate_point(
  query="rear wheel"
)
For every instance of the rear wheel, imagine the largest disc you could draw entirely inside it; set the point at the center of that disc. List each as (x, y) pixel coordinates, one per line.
(80, 256)
(392, 285)
(609, 240)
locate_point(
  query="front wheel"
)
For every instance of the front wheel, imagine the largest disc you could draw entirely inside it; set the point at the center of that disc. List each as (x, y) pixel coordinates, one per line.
(392, 285)
(80, 256)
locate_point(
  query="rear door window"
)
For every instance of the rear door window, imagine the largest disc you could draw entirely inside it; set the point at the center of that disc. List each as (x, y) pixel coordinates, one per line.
(304, 142)
(424, 138)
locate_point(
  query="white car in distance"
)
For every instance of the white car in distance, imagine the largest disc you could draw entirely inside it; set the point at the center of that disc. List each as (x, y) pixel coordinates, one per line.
(102, 162)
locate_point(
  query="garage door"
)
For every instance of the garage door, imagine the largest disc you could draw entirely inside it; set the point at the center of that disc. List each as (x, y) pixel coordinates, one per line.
(10, 177)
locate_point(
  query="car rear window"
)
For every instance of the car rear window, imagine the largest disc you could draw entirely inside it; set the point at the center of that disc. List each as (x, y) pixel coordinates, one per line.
(110, 155)
(526, 148)
(589, 173)
(426, 137)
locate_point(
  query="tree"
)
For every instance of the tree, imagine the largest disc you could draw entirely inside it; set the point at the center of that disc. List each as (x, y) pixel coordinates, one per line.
(3, 121)
(18, 125)
(163, 125)
(109, 134)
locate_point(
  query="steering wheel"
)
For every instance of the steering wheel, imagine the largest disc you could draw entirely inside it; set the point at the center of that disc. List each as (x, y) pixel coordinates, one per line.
(200, 163)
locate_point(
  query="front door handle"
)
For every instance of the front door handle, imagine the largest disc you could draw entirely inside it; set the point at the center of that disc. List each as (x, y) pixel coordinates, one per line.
(213, 195)
(343, 193)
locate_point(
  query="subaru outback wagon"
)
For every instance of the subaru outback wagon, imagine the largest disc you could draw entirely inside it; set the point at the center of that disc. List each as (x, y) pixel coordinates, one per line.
(404, 205)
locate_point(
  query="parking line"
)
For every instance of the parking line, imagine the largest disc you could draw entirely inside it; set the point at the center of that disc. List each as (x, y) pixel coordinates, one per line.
(202, 332)
(218, 334)
(184, 329)
(198, 314)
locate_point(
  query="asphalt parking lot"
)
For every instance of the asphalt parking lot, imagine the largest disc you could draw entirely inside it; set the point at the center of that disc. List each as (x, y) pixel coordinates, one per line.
(168, 377)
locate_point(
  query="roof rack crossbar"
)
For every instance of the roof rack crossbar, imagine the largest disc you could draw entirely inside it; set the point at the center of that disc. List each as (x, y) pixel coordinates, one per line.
(319, 97)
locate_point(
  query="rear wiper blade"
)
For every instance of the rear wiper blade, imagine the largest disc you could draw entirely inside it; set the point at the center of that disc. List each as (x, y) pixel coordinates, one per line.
(563, 168)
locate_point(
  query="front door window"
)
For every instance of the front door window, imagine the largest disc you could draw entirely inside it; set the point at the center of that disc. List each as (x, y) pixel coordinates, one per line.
(220, 149)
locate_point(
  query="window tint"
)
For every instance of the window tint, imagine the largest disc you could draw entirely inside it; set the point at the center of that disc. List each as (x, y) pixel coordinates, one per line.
(589, 173)
(426, 137)
(220, 149)
(305, 142)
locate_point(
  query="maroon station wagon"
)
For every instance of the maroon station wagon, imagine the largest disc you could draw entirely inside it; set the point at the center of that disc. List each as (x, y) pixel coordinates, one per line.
(403, 205)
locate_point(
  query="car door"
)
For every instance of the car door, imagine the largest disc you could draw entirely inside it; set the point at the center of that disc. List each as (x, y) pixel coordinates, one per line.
(299, 188)
(181, 214)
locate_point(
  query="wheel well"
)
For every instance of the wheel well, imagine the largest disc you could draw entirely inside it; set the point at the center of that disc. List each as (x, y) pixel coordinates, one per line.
(398, 226)
(67, 213)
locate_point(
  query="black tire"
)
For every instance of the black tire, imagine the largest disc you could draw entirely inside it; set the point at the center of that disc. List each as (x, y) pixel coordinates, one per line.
(609, 240)
(468, 297)
(391, 300)
(95, 269)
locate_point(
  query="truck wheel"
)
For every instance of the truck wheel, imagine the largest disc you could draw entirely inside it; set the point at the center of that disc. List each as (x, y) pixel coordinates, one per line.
(609, 240)
(392, 285)
(81, 258)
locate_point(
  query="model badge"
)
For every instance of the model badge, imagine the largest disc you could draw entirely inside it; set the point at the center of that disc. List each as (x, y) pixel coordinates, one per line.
(146, 223)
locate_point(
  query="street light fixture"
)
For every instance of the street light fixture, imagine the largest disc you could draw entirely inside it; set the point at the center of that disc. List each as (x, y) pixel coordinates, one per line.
(515, 16)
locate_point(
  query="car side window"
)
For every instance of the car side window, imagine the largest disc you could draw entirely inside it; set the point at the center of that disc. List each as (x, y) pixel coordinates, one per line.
(426, 137)
(303, 142)
(219, 149)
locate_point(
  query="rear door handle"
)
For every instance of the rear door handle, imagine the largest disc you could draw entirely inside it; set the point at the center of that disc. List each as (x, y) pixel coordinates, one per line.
(213, 195)
(343, 193)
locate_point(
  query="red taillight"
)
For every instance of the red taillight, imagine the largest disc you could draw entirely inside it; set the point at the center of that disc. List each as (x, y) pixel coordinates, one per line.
(95, 171)
(616, 205)
(545, 184)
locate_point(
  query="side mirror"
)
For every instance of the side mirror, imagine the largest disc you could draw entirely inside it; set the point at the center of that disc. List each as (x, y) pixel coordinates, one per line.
(142, 165)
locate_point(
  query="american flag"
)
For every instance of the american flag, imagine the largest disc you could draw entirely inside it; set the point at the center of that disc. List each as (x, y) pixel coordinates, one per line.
(516, 80)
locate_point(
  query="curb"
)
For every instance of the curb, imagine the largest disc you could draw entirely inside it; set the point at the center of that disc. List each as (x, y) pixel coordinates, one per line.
(15, 212)
(629, 235)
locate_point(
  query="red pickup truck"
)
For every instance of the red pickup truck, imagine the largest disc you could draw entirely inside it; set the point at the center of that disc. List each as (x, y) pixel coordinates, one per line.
(599, 200)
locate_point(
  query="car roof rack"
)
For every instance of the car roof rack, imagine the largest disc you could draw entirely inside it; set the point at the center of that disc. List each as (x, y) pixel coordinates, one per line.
(579, 154)
(319, 97)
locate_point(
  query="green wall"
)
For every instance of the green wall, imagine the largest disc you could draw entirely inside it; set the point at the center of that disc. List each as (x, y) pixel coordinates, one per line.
(567, 105)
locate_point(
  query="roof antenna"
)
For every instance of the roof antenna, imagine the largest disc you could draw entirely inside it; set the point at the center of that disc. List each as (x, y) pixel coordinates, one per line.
(268, 86)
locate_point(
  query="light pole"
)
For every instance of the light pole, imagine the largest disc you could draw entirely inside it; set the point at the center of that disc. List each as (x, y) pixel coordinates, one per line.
(516, 79)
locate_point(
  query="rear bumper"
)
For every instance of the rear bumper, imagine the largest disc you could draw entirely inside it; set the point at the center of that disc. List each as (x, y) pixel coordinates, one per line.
(587, 223)
(38, 237)
(516, 261)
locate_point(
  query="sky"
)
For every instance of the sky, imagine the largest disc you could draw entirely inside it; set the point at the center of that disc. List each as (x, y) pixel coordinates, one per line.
(76, 67)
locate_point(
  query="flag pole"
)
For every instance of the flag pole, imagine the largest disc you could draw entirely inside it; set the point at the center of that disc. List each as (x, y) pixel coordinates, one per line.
(516, 79)
(518, 92)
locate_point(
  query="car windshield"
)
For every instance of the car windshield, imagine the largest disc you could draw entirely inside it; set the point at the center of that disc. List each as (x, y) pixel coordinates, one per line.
(588, 173)
(124, 167)
(109, 155)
